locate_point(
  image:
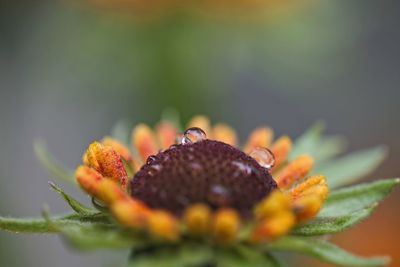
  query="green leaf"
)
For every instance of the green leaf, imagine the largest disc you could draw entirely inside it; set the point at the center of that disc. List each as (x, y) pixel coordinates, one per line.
(50, 164)
(74, 204)
(242, 255)
(348, 200)
(325, 251)
(41, 225)
(319, 147)
(308, 142)
(331, 225)
(180, 255)
(352, 167)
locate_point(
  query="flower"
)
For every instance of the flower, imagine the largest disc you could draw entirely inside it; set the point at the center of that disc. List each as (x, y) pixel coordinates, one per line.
(204, 184)
(198, 199)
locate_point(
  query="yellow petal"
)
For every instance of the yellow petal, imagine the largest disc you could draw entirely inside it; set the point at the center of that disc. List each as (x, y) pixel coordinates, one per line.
(131, 213)
(203, 123)
(224, 133)
(144, 141)
(166, 133)
(164, 225)
(275, 203)
(110, 192)
(197, 218)
(281, 149)
(225, 225)
(294, 171)
(260, 137)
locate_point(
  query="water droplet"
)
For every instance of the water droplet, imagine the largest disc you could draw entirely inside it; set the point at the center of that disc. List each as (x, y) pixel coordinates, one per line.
(193, 135)
(264, 157)
(151, 159)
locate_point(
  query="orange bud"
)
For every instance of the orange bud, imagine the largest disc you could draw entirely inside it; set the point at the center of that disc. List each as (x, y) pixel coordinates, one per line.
(224, 133)
(275, 203)
(307, 207)
(118, 147)
(203, 123)
(144, 141)
(226, 225)
(260, 137)
(105, 160)
(166, 133)
(294, 171)
(281, 149)
(131, 213)
(88, 179)
(197, 218)
(313, 185)
(164, 225)
(273, 227)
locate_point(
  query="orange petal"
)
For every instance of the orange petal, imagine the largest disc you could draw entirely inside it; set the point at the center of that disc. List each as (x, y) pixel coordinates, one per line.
(281, 149)
(131, 213)
(273, 227)
(307, 207)
(88, 179)
(197, 218)
(203, 123)
(163, 224)
(118, 147)
(166, 133)
(144, 141)
(294, 171)
(313, 185)
(260, 137)
(110, 192)
(224, 133)
(226, 225)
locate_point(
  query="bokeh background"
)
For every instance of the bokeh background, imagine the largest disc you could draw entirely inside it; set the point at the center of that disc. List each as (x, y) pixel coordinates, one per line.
(69, 71)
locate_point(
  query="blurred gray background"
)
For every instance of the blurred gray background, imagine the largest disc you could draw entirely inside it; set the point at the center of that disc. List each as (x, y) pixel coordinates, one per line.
(68, 73)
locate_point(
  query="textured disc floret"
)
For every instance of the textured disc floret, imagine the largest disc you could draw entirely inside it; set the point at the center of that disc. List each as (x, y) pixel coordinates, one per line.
(208, 172)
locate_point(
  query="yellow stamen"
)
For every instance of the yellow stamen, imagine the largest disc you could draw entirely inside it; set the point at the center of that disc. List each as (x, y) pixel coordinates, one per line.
(281, 149)
(144, 141)
(162, 224)
(275, 203)
(166, 133)
(224, 133)
(225, 226)
(131, 213)
(197, 218)
(260, 137)
(294, 171)
(203, 123)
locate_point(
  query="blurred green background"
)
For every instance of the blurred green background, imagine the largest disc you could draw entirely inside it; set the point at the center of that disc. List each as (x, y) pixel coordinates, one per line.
(68, 72)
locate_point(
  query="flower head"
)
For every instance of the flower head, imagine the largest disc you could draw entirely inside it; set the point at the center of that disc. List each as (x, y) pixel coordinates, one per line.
(204, 182)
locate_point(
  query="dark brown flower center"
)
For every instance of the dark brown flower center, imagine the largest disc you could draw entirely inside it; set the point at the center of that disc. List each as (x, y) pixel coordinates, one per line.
(207, 171)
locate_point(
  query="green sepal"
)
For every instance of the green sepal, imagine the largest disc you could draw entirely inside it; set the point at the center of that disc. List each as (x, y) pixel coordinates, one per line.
(243, 255)
(350, 199)
(74, 204)
(325, 251)
(47, 160)
(332, 225)
(350, 168)
(182, 254)
(41, 225)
